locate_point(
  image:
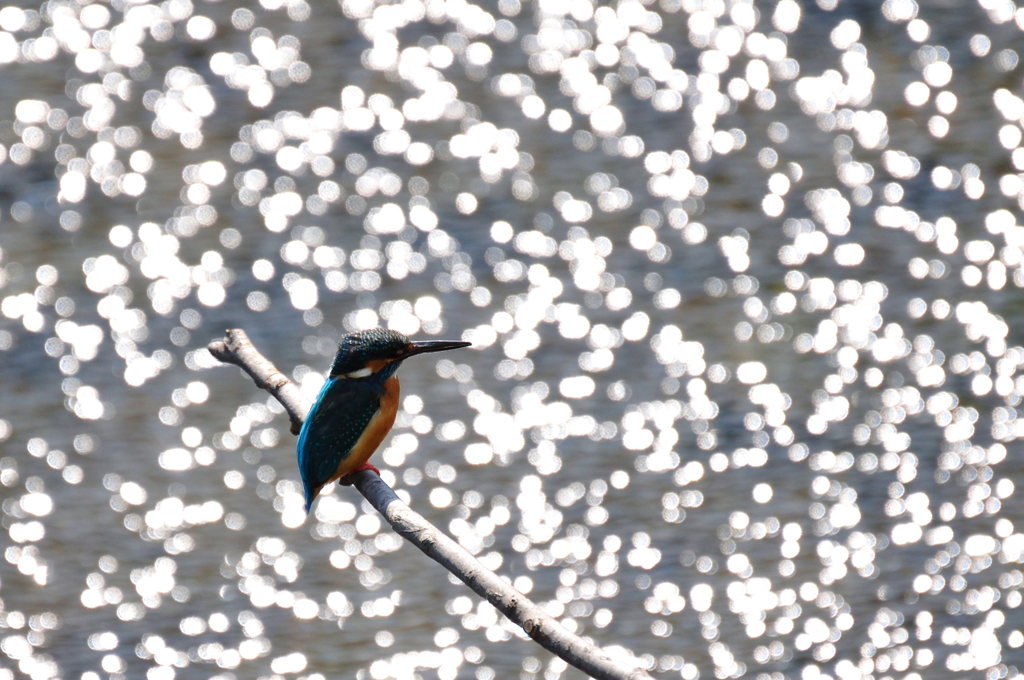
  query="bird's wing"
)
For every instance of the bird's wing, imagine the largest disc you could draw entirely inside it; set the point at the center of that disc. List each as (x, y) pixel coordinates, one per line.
(342, 411)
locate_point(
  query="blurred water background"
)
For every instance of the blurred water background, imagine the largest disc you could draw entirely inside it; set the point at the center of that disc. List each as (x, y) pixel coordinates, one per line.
(742, 278)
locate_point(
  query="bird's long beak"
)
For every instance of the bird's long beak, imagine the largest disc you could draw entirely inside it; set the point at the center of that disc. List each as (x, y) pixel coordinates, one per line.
(424, 346)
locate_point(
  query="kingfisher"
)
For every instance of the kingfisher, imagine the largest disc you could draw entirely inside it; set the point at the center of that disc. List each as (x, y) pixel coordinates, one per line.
(356, 406)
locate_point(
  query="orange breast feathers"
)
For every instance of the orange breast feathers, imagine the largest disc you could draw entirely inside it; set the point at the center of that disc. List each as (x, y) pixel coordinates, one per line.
(374, 433)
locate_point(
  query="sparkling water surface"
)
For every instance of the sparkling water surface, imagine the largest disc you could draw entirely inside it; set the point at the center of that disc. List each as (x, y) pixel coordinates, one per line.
(742, 282)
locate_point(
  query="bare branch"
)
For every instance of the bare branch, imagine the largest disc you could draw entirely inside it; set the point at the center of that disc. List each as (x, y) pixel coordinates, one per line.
(236, 348)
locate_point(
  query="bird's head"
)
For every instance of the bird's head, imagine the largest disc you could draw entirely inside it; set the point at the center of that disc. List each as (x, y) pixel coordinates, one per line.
(365, 353)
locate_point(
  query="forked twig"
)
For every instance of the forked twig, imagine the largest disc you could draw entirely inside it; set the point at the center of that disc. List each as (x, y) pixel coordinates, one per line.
(236, 348)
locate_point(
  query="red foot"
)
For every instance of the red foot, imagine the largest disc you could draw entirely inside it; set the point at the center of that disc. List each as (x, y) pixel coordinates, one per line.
(366, 466)
(348, 479)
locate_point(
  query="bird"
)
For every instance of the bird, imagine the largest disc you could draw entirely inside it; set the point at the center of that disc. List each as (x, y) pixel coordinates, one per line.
(356, 406)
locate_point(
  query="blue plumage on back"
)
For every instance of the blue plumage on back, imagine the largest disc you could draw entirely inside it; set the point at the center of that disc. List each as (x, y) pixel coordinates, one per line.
(343, 409)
